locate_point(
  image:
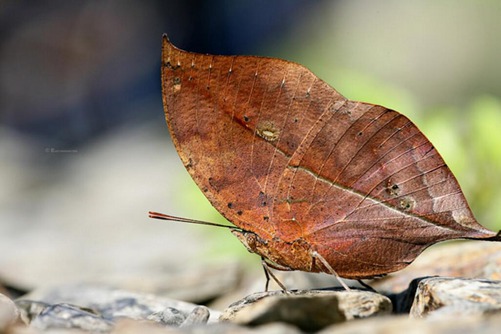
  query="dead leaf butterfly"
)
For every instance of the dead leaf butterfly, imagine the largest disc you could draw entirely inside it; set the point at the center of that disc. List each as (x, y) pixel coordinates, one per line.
(311, 180)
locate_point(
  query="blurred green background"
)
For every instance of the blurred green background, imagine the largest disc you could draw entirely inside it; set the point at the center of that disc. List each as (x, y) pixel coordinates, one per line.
(84, 150)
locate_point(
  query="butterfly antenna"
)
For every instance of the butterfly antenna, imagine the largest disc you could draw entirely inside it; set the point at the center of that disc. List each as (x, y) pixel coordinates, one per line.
(163, 216)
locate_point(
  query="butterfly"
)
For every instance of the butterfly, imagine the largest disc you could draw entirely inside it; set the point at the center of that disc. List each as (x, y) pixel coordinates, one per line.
(311, 180)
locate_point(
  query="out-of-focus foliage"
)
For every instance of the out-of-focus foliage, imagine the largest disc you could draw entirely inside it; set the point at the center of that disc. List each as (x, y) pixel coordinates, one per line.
(469, 140)
(483, 180)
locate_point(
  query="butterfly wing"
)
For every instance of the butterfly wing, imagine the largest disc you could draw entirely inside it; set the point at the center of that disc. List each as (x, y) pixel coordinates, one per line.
(282, 154)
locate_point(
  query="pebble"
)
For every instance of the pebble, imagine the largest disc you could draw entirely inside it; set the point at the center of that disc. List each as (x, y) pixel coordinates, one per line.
(198, 316)
(9, 314)
(404, 324)
(309, 310)
(456, 297)
(98, 308)
(72, 317)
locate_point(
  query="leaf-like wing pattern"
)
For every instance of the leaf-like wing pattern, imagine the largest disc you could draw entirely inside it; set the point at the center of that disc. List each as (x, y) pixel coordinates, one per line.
(283, 155)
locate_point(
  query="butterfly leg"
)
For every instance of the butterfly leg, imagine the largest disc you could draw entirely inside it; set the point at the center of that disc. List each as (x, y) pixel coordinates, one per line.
(331, 270)
(268, 273)
(367, 286)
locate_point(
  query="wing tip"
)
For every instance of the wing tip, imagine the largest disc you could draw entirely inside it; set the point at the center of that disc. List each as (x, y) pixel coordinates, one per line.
(168, 46)
(497, 237)
(166, 41)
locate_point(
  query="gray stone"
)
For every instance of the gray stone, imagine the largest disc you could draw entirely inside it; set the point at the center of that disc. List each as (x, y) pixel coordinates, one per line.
(168, 316)
(30, 309)
(442, 296)
(111, 302)
(9, 314)
(309, 310)
(198, 316)
(127, 326)
(404, 324)
(70, 316)
(277, 328)
(99, 308)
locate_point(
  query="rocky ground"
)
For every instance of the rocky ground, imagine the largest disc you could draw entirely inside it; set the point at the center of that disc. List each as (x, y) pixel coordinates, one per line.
(78, 254)
(433, 304)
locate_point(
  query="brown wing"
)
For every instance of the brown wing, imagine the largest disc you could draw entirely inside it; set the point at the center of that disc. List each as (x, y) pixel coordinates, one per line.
(280, 153)
(230, 118)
